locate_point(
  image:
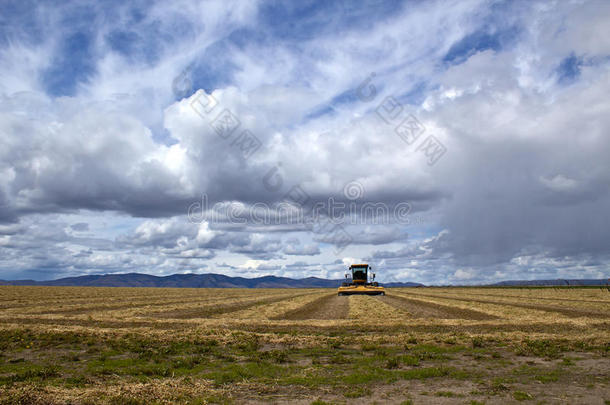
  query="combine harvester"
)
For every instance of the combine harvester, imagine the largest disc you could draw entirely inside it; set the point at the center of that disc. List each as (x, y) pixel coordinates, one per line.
(360, 282)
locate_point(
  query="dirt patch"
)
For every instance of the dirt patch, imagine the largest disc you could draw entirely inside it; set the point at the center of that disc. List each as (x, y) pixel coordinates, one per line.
(423, 309)
(327, 307)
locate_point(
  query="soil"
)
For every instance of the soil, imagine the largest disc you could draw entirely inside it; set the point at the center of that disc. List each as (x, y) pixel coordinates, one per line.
(327, 307)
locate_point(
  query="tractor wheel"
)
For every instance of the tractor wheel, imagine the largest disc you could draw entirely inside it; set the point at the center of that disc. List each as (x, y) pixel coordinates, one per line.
(382, 293)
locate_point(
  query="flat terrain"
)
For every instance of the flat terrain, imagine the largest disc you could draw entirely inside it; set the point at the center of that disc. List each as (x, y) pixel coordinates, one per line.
(419, 345)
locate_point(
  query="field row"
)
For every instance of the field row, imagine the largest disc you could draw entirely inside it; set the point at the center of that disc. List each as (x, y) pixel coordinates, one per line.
(427, 345)
(298, 304)
(482, 310)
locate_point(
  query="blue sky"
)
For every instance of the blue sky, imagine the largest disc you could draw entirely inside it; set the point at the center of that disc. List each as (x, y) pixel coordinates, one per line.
(99, 131)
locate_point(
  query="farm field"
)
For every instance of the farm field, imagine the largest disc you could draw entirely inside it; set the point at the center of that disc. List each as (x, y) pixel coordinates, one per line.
(418, 345)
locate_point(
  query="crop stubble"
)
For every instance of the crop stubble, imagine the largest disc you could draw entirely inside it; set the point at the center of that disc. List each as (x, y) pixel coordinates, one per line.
(311, 335)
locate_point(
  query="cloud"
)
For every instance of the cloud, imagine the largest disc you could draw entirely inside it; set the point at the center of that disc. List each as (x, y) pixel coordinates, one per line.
(559, 183)
(97, 124)
(293, 247)
(80, 227)
(464, 274)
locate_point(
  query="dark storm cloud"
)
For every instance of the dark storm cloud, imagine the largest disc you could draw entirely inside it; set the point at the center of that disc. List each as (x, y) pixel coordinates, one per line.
(80, 227)
(512, 192)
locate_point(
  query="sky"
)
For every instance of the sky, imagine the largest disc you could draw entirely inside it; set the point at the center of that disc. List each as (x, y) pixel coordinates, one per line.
(443, 142)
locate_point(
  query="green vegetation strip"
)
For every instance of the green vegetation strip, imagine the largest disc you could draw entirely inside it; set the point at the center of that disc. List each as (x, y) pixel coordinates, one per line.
(77, 359)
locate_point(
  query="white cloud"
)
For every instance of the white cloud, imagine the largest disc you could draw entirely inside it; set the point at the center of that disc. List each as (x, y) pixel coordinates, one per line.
(464, 274)
(205, 235)
(559, 183)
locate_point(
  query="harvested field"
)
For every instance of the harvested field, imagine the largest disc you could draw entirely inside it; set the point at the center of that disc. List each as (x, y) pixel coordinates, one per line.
(327, 307)
(432, 345)
(210, 309)
(422, 309)
(572, 313)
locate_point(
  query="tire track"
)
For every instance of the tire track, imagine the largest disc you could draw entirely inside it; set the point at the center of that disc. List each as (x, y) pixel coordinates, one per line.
(422, 309)
(327, 307)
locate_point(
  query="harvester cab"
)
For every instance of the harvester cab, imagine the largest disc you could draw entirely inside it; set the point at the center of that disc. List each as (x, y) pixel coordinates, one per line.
(359, 283)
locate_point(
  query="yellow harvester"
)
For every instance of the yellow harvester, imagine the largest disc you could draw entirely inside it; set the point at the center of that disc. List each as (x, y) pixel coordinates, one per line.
(360, 282)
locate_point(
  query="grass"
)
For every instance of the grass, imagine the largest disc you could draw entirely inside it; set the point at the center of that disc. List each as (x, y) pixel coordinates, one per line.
(31, 374)
(447, 394)
(543, 375)
(541, 348)
(358, 392)
(522, 396)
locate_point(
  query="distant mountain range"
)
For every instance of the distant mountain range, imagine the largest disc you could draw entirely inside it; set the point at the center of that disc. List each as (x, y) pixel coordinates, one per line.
(191, 281)
(556, 282)
(221, 281)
